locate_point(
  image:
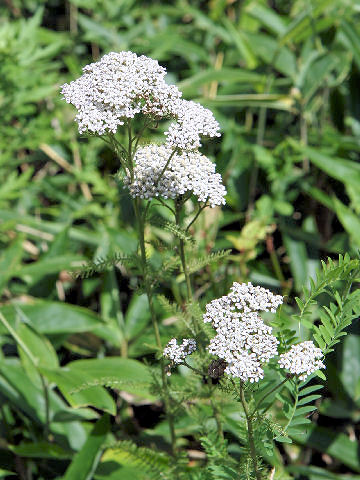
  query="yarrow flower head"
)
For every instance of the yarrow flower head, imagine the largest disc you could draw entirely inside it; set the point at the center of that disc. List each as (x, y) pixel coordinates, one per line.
(242, 339)
(302, 359)
(186, 172)
(121, 85)
(118, 87)
(177, 353)
(193, 121)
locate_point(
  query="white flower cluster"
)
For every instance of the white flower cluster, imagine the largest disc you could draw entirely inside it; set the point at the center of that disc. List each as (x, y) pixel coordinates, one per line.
(123, 84)
(193, 121)
(117, 87)
(302, 359)
(177, 353)
(187, 172)
(242, 339)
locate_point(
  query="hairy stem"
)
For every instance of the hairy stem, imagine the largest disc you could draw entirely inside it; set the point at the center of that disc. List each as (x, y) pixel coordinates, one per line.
(216, 410)
(250, 432)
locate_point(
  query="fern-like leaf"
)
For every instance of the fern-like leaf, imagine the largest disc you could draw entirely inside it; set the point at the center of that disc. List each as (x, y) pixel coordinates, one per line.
(199, 263)
(154, 463)
(101, 264)
(171, 227)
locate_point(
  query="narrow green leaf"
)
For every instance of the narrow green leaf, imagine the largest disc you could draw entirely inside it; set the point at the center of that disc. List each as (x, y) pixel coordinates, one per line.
(85, 462)
(9, 261)
(309, 399)
(267, 17)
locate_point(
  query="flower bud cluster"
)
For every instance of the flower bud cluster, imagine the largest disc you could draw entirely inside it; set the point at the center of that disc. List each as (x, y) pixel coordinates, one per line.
(302, 359)
(177, 353)
(242, 339)
(186, 172)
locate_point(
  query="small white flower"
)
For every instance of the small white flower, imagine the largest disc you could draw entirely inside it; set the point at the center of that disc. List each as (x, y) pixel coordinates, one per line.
(186, 172)
(177, 353)
(302, 359)
(242, 339)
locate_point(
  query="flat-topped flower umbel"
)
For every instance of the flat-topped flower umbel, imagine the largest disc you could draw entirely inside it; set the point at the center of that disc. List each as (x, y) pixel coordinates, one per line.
(302, 359)
(122, 85)
(118, 87)
(177, 353)
(186, 172)
(242, 339)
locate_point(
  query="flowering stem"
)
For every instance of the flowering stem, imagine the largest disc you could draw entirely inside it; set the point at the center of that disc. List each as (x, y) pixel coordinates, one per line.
(250, 432)
(201, 208)
(148, 288)
(203, 374)
(165, 167)
(178, 206)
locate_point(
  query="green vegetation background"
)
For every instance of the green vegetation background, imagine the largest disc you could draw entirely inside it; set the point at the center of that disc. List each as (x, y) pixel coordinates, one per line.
(282, 78)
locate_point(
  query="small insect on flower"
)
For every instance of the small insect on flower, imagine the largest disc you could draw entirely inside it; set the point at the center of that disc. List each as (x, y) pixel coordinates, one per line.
(217, 368)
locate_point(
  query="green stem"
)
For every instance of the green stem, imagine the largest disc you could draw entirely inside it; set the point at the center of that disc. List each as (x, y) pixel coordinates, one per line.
(250, 432)
(149, 293)
(178, 207)
(201, 208)
(165, 167)
(259, 402)
(203, 374)
(215, 409)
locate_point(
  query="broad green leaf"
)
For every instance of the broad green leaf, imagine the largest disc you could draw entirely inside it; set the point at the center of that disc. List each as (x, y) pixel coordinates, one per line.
(335, 444)
(29, 399)
(40, 347)
(52, 318)
(5, 473)
(349, 220)
(224, 75)
(111, 308)
(133, 376)
(69, 381)
(48, 229)
(298, 261)
(350, 365)
(341, 169)
(274, 54)
(137, 315)
(85, 462)
(274, 101)
(242, 43)
(109, 470)
(267, 17)
(49, 266)
(352, 39)
(40, 450)
(317, 473)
